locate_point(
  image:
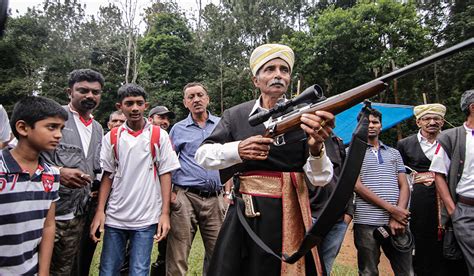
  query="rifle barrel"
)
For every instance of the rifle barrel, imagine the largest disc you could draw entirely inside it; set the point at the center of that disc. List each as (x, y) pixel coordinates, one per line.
(345, 100)
(428, 60)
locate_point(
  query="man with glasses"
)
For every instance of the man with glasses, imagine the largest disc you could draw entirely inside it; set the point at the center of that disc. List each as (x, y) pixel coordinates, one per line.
(417, 152)
(77, 157)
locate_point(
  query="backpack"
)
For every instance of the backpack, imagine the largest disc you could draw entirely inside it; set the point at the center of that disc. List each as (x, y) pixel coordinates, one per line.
(154, 144)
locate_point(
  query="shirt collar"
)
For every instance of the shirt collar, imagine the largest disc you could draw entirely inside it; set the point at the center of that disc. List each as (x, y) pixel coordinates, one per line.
(421, 138)
(469, 130)
(133, 132)
(13, 167)
(257, 107)
(84, 121)
(381, 145)
(210, 118)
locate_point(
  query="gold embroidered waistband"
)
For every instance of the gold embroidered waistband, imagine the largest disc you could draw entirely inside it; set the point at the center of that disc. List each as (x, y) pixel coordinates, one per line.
(425, 178)
(261, 183)
(291, 188)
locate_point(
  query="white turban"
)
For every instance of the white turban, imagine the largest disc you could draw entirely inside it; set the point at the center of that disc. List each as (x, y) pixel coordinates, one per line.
(264, 53)
(422, 110)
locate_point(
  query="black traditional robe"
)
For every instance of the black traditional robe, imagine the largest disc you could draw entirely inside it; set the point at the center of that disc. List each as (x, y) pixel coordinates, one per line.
(235, 253)
(428, 258)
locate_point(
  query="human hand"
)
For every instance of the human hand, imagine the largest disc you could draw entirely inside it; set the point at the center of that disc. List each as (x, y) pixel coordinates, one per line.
(396, 227)
(163, 227)
(227, 200)
(450, 209)
(319, 127)
(173, 197)
(74, 178)
(347, 219)
(97, 223)
(400, 214)
(255, 148)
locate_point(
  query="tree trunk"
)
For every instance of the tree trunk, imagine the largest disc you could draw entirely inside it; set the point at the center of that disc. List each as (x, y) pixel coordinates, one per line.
(397, 100)
(222, 81)
(129, 50)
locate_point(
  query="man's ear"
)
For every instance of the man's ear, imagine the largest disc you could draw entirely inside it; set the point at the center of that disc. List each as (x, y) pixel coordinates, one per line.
(22, 128)
(418, 123)
(68, 92)
(254, 81)
(118, 106)
(147, 105)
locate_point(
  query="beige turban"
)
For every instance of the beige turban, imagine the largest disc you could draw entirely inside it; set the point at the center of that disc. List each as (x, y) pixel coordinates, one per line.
(264, 53)
(422, 110)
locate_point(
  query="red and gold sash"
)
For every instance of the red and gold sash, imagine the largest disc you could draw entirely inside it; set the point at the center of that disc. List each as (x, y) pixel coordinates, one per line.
(296, 217)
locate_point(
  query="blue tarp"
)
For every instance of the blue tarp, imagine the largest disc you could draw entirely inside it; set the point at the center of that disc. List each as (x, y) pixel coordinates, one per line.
(392, 114)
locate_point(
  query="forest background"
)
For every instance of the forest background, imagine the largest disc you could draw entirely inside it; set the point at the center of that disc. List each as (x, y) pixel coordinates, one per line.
(338, 44)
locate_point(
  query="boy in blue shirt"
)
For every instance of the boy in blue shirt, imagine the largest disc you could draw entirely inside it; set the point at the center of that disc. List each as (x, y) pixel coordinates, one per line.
(29, 188)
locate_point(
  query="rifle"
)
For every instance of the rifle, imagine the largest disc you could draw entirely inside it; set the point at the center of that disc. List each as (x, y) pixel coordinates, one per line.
(285, 117)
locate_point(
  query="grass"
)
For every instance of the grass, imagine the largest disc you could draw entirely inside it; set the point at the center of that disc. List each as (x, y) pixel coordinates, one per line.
(196, 258)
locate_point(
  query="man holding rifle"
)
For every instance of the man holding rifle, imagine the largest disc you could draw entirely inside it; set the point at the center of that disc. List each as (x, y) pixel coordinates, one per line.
(270, 180)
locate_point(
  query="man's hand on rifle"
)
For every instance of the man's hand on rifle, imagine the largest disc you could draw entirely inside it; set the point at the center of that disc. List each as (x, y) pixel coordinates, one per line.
(319, 127)
(255, 148)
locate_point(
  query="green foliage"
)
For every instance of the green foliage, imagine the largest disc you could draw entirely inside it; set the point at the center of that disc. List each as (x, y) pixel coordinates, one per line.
(20, 58)
(169, 60)
(347, 47)
(338, 44)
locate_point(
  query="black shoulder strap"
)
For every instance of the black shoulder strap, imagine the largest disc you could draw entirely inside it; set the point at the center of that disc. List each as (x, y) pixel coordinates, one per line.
(337, 202)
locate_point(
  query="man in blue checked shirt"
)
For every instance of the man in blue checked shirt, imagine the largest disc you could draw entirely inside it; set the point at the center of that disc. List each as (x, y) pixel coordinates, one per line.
(198, 196)
(382, 195)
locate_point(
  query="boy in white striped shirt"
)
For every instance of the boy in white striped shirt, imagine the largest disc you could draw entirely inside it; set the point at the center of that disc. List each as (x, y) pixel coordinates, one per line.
(29, 188)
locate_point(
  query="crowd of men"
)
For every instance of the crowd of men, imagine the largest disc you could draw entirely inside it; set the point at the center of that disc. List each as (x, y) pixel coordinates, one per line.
(65, 185)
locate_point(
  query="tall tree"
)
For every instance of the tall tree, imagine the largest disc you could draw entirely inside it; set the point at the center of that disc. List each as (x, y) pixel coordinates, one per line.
(21, 63)
(169, 59)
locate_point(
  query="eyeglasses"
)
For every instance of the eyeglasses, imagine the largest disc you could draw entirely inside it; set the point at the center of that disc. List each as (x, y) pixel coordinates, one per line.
(83, 90)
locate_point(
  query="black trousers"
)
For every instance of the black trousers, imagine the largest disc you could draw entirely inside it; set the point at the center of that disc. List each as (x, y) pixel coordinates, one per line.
(428, 258)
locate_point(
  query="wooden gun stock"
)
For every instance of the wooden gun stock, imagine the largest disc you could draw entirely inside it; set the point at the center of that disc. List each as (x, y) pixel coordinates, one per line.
(335, 104)
(338, 103)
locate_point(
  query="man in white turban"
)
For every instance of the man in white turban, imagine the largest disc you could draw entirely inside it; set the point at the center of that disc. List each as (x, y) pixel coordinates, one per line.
(417, 152)
(271, 178)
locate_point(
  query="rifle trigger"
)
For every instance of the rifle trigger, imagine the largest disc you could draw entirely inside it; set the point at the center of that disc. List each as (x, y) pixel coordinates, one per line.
(279, 140)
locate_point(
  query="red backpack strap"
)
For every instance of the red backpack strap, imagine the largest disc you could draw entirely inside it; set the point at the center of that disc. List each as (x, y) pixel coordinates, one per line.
(155, 140)
(113, 140)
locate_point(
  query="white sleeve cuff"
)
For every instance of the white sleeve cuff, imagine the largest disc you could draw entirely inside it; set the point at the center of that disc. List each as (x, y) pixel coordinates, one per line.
(218, 156)
(319, 170)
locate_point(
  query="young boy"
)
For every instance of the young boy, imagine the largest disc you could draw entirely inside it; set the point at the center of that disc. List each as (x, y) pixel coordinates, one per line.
(139, 197)
(29, 188)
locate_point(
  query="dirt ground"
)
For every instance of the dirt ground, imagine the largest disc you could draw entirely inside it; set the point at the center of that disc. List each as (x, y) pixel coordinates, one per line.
(348, 255)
